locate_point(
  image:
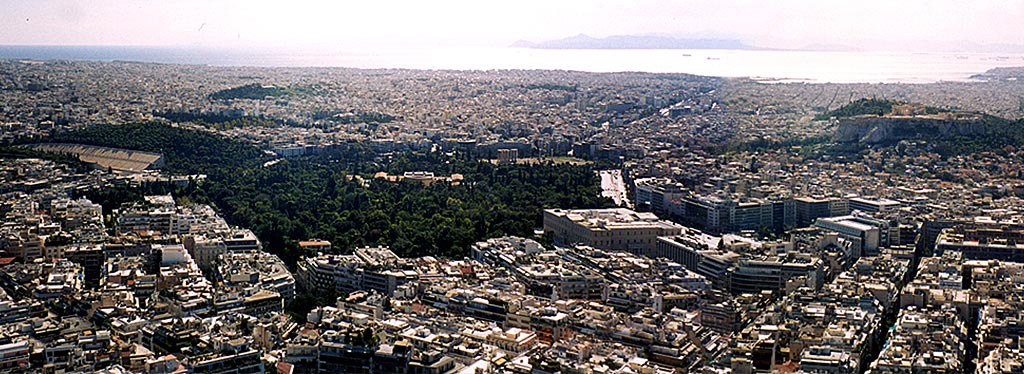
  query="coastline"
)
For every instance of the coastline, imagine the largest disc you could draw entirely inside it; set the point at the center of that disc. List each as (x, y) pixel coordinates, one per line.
(765, 66)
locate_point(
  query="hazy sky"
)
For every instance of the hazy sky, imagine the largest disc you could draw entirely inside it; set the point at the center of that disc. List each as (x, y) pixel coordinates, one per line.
(890, 23)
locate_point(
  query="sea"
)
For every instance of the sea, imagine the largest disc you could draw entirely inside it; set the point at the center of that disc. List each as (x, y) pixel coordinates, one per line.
(765, 65)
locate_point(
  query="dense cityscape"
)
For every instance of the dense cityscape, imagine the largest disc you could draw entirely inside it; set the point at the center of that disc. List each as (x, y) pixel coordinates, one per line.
(162, 218)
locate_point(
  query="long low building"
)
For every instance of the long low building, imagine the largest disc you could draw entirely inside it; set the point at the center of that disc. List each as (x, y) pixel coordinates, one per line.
(979, 242)
(112, 158)
(740, 273)
(868, 233)
(377, 269)
(618, 229)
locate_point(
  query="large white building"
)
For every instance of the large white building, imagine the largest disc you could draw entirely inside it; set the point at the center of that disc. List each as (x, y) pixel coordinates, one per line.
(873, 205)
(377, 269)
(867, 233)
(656, 195)
(253, 271)
(159, 213)
(618, 229)
(206, 248)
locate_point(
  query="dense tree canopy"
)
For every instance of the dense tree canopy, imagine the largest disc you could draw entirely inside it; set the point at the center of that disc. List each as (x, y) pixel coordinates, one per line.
(358, 116)
(320, 196)
(249, 91)
(221, 121)
(859, 107)
(314, 197)
(185, 151)
(999, 133)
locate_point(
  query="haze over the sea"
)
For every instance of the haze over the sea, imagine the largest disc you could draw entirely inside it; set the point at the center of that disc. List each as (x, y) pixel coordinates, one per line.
(809, 66)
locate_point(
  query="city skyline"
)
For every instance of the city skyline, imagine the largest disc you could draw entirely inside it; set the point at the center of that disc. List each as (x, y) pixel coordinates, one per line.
(458, 187)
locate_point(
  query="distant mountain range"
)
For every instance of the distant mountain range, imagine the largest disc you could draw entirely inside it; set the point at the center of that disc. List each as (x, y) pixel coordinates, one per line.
(582, 41)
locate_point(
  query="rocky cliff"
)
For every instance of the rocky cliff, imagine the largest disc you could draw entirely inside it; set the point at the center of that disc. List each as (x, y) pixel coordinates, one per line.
(873, 129)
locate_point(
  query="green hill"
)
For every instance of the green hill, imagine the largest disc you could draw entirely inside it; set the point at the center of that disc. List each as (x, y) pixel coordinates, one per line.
(249, 91)
(859, 107)
(185, 151)
(999, 133)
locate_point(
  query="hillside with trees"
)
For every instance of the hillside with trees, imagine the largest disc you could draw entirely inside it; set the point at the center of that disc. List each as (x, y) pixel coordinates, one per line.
(250, 91)
(996, 134)
(949, 133)
(859, 107)
(185, 151)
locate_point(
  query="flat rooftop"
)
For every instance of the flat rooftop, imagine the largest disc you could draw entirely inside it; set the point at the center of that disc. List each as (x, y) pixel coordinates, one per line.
(611, 218)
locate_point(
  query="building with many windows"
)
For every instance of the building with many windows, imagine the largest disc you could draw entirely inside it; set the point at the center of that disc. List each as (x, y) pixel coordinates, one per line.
(614, 229)
(867, 233)
(377, 269)
(983, 241)
(656, 195)
(873, 205)
(206, 248)
(809, 209)
(254, 271)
